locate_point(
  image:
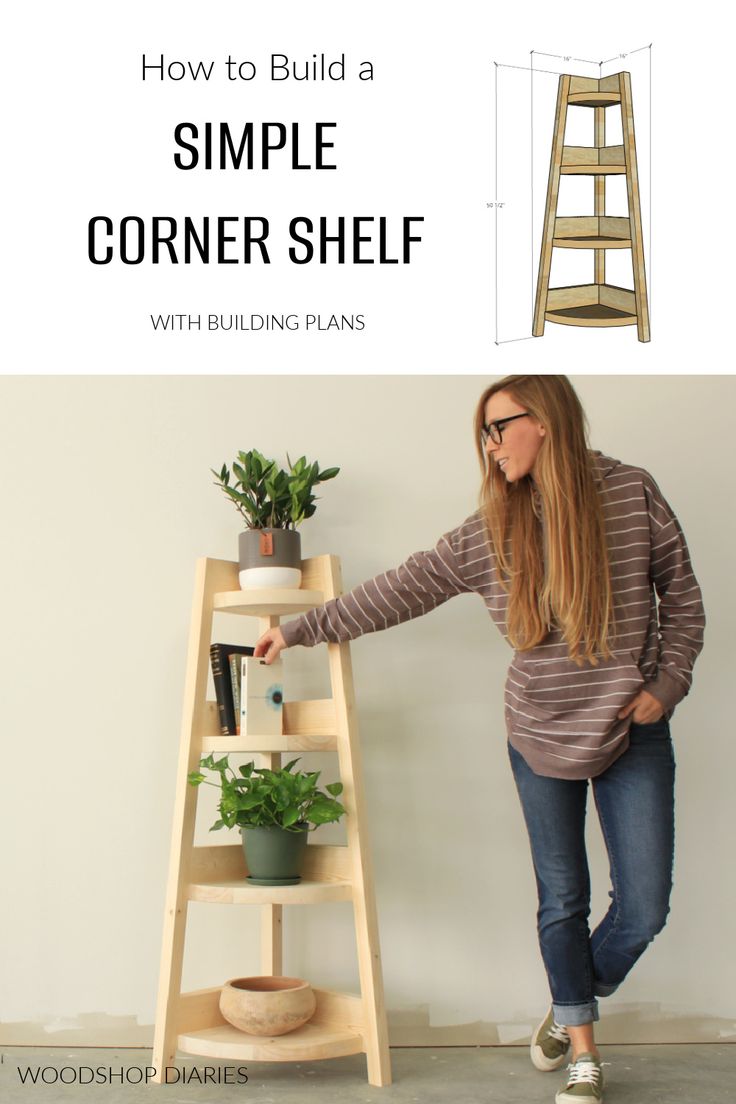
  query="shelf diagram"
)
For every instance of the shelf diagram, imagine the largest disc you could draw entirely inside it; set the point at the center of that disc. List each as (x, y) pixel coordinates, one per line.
(593, 192)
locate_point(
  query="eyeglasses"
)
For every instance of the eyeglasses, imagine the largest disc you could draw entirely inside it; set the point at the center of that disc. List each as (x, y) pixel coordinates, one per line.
(494, 430)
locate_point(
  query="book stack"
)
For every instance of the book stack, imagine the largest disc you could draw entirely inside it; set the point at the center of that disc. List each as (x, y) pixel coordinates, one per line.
(226, 674)
(249, 691)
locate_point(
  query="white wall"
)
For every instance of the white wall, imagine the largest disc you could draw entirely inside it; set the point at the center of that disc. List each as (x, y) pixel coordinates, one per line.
(107, 501)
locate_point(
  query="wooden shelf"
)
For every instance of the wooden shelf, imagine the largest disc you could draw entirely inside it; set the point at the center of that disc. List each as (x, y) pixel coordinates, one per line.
(593, 314)
(592, 243)
(592, 160)
(261, 745)
(598, 304)
(336, 1029)
(591, 305)
(343, 1023)
(218, 876)
(593, 170)
(594, 99)
(307, 726)
(267, 602)
(242, 893)
(308, 1043)
(592, 232)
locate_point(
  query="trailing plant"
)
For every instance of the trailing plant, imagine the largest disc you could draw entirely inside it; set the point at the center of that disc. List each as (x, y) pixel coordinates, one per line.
(257, 797)
(269, 497)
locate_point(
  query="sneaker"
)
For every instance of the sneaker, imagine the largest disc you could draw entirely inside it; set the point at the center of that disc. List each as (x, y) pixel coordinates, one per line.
(550, 1044)
(584, 1082)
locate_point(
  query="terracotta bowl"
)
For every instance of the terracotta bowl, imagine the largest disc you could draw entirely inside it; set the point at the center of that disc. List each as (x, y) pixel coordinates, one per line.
(267, 1005)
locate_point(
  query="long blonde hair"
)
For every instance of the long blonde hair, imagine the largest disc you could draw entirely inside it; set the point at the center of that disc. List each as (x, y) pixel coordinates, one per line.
(570, 587)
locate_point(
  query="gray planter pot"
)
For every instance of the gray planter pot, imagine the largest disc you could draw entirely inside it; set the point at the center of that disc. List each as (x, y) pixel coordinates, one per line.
(273, 855)
(270, 558)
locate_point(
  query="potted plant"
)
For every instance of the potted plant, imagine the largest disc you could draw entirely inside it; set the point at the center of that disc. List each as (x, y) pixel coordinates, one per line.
(272, 502)
(274, 810)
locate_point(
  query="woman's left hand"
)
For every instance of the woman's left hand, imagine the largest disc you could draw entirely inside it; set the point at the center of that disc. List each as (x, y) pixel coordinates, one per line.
(645, 708)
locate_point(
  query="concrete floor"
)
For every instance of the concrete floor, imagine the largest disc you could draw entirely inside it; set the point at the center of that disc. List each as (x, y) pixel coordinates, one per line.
(667, 1074)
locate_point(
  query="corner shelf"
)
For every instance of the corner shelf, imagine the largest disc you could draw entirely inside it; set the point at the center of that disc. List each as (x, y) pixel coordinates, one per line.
(218, 876)
(331, 1033)
(594, 99)
(307, 1043)
(592, 232)
(591, 305)
(271, 602)
(343, 1023)
(308, 726)
(599, 304)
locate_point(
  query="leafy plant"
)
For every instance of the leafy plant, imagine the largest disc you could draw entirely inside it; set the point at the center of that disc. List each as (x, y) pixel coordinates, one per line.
(258, 797)
(268, 496)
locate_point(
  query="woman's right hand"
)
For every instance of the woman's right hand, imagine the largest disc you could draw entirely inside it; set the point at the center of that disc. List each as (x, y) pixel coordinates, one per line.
(270, 645)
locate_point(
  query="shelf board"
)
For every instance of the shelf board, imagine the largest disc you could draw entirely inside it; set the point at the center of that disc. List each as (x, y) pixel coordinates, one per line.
(594, 99)
(591, 314)
(240, 892)
(267, 601)
(254, 745)
(308, 725)
(310, 1042)
(591, 242)
(217, 875)
(591, 305)
(593, 170)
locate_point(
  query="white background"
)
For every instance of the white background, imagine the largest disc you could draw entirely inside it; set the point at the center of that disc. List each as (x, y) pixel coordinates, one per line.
(87, 136)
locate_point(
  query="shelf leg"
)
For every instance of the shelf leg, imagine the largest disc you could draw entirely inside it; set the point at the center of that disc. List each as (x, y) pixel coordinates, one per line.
(272, 955)
(550, 214)
(164, 1042)
(272, 944)
(210, 576)
(599, 195)
(632, 186)
(364, 903)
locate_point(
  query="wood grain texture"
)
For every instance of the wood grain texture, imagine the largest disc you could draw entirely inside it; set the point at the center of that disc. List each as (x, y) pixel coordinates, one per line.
(343, 1024)
(598, 304)
(336, 1029)
(599, 191)
(550, 213)
(632, 186)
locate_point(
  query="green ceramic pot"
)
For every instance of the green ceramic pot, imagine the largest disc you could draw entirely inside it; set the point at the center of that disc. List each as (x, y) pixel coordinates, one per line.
(273, 855)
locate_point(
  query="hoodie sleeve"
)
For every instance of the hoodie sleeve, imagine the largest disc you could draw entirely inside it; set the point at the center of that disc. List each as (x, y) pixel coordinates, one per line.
(681, 615)
(424, 581)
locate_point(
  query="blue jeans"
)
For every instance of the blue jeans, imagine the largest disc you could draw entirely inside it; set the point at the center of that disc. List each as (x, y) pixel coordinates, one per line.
(635, 803)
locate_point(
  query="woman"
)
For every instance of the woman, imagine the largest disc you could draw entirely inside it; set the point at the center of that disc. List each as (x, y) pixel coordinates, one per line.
(570, 551)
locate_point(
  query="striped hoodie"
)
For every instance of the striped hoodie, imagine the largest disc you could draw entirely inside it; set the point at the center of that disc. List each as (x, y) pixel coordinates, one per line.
(560, 717)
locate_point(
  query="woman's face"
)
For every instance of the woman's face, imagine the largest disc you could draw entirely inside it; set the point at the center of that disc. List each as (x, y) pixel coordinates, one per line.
(521, 440)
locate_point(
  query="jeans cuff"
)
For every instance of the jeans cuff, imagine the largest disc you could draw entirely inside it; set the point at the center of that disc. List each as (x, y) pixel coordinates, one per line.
(575, 1015)
(602, 990)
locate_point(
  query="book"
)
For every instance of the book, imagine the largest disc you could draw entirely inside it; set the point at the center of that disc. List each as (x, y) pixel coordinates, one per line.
(235, 661)
(261, 697)
(220, 661)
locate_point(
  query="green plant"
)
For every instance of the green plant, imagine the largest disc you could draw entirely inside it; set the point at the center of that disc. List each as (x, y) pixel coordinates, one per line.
(267, 496)
(259, 797)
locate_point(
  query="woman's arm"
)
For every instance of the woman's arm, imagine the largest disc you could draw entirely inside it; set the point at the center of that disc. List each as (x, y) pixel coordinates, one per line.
(680, 613)
(424, 581)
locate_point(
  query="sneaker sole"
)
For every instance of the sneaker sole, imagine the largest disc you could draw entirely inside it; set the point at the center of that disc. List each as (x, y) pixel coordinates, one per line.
(539, 1059)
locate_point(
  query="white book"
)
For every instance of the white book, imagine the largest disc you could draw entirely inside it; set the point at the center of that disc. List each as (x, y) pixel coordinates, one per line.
(261, 697)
